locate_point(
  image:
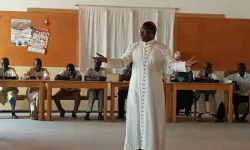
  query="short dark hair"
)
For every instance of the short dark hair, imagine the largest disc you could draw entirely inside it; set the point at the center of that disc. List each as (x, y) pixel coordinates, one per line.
(242, 64)
(209, 64)
(5, 59)
(70, 66)
(37, 59)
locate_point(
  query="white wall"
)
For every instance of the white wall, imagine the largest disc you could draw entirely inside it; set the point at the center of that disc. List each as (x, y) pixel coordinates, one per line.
(232, 8)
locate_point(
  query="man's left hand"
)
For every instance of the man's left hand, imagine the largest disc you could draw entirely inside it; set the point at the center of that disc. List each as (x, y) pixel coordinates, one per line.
(191, 62)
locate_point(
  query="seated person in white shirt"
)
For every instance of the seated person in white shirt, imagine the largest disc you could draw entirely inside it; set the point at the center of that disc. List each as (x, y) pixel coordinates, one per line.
(35, 73)
(241, 82)
(73, 75)
(206, 74)
(97, 73)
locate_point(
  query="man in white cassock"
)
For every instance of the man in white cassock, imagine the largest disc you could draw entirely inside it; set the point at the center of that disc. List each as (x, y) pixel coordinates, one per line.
(146, 124)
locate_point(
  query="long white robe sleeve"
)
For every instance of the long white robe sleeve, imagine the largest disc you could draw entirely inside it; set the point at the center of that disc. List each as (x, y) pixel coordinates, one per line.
(145, 124)
(122, 62)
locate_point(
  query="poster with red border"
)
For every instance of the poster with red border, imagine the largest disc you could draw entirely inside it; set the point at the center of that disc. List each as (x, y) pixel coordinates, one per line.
(38, 41)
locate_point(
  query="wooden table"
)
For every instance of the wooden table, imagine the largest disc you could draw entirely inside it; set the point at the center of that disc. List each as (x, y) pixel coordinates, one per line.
(228, 88)
(75, 84)
(167, 91)
(29, 83)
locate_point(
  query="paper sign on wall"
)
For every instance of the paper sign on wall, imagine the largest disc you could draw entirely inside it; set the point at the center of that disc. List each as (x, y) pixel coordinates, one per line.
(20, 32)
(38, 41)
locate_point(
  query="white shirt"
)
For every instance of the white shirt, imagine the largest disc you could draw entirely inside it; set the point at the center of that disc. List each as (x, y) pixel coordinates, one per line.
(94, 74)
(243, 82)
(201, 74)
(65, 73)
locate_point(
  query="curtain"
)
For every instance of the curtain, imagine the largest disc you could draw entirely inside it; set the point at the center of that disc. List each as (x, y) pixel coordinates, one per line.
(110, 30)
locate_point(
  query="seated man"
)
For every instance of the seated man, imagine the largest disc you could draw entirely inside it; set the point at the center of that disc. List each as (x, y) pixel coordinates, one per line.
(35, 73)
(73, 75)
(8, 93)
(123, 92)
(241, 82)
(184, 97)
(206, 74)
(95, 74)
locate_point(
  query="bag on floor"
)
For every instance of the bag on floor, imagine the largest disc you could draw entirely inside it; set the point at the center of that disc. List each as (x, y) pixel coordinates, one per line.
(185, 99)
(221, 112)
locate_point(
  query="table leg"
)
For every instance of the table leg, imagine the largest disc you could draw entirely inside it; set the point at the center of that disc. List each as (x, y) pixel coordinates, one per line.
(171, 106)
(112, 103)
(49, 102)
(41, 101)
(105, 104)
(249, 111)
(230, 106)
(195, 108)
(44, 98)
(168, 99)
(174, 105)
(166, 104)
(226, 102)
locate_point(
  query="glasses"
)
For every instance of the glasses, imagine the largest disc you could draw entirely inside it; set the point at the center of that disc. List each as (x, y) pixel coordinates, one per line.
(144, 31)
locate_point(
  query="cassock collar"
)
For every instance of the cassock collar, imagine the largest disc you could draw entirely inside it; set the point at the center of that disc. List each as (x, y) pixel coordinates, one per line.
(243, 76)
(149, 42)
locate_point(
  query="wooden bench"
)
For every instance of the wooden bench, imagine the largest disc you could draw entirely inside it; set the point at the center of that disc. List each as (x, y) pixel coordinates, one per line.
(23, 97)
(20, 97)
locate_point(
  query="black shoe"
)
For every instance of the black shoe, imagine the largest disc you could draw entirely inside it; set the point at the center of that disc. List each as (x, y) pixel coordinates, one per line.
(86, 117)
(62, 113)
(237, 119)
(216, 120)
(120, 117)
(199, 118)
(14, 116)
(100, 117)
(188, 113)
(74, 114)
(242, 119)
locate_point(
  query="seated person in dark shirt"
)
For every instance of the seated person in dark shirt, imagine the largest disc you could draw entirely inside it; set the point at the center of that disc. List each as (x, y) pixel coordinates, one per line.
(123, 92)
(73, 75)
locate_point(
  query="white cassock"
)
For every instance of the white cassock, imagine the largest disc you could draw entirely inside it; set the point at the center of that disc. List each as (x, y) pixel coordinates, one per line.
(145, 123)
